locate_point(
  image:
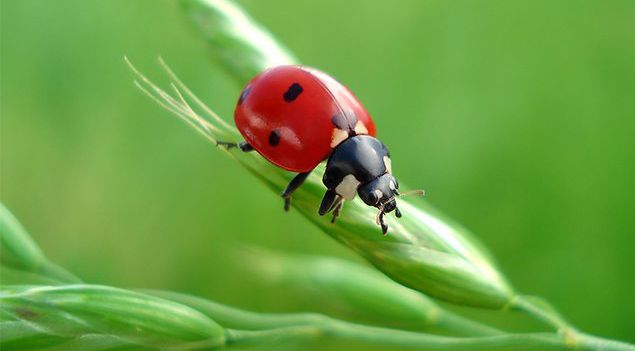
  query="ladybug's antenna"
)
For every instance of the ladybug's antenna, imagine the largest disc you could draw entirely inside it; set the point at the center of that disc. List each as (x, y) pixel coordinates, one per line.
(419, 192)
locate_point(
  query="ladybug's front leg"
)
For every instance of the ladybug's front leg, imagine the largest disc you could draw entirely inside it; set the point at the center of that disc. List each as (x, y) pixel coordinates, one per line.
(291, 187)
(243, 145)
(327, 202)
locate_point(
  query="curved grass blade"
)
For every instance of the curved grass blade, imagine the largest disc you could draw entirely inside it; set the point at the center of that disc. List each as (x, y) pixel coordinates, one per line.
(235, 38)
(18, 251)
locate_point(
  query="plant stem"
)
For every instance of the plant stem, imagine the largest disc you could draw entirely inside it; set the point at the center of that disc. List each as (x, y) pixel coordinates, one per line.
(241, 319)
(232, 317)
(463, 326)
(590, 342)
(266, 327)
(339, 330)
(541, 311)
(396, 338)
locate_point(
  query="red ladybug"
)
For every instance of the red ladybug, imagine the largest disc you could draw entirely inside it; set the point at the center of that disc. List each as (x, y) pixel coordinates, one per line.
(296, 117)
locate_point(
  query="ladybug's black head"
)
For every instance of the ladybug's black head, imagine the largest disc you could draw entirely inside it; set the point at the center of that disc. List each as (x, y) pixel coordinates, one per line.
(380, 193)
(361, 164)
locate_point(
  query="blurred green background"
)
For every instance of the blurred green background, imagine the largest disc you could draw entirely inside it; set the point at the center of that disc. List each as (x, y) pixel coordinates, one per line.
(517, 117)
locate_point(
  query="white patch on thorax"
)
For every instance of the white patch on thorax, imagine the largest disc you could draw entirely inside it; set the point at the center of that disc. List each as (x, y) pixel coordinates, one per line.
(338, 136)
(388, 164)
(347, 188)
(360, 128)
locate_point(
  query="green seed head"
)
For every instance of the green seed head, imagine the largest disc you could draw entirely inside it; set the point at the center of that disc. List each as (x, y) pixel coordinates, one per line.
(340, 283)
(72, 310)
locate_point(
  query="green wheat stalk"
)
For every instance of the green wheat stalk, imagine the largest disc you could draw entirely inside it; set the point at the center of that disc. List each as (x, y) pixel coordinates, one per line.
(94, 317)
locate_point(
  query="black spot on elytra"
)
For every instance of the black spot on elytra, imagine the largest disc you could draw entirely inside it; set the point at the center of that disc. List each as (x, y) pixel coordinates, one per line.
(274, 138)
(244, 95)
(293, 92)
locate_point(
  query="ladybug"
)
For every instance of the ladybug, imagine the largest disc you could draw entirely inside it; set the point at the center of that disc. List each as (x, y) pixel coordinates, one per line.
(296, 117)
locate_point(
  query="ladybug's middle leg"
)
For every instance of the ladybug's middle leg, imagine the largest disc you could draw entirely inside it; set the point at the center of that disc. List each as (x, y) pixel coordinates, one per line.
(337, 208)
(291, 187)
(243, 145)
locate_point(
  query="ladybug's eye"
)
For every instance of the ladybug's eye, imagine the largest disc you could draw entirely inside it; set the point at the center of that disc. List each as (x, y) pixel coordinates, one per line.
(375, 196)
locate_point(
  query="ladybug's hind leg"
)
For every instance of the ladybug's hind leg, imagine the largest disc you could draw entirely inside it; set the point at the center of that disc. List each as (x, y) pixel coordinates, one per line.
(293, 185)
(243, 145)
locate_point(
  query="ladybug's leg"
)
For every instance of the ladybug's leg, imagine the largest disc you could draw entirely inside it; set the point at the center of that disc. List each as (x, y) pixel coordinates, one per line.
(384, 227)
(327, 202)
(243, 145)
(337, 207)
(291, 187)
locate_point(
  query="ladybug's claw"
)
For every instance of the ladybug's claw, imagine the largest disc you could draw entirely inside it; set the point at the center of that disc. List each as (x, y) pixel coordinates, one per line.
(337, 208)
(243, 145)
(380, 219)
(287, 203)
(227, 145)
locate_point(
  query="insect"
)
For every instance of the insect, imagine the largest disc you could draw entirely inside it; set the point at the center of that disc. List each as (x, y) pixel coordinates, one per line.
(296, 117)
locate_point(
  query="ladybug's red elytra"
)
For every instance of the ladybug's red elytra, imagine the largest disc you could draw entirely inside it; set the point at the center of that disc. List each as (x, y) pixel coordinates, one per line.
(296, 117)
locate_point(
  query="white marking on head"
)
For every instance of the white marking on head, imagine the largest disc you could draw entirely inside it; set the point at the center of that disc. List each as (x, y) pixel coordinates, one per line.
(379, 194)
(388, 164)
(360, 128)
(347, 188)
(338, 136)
(392, 185)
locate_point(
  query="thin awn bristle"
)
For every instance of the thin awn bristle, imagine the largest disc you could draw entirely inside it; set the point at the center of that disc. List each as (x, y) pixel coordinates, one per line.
(161, 103)
(191, 113)
(191, 95)
(179, 107)
(185, 114)
(418, 192)
(165, 96)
